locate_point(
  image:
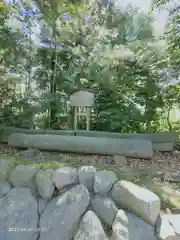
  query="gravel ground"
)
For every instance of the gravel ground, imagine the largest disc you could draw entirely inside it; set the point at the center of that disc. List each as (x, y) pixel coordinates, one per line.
(163, 161)
(168, 161)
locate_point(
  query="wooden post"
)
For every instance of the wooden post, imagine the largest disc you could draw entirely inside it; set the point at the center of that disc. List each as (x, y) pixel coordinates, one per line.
(75, 118)
(88, 115)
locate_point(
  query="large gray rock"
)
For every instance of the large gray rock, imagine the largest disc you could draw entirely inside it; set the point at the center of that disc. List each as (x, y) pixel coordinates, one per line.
(64, 177)
(160, 141)
(7, 131)
(154, 137)
(138, 200)
(103, 145)
(5, 169)
(44, 183)
(164, 146)
(20, 140)
(86, 176)
(127, 226)
(62, 214)
(42, 203)
(4, 188)
(105, 208)
(120, 160)
(18, 215)
(90, 228)
(103, 181)
(29, 154)
(59, 132)
(23, 175)
(168, 227)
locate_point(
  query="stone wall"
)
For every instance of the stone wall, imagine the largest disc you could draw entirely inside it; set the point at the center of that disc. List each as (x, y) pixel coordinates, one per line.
(5, 132)
(78, 204)
(136, 148)
(160, 141)
(163, 141)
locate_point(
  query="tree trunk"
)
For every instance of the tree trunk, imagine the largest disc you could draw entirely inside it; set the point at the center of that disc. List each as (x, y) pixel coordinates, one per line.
(168, 119)
(53, 109)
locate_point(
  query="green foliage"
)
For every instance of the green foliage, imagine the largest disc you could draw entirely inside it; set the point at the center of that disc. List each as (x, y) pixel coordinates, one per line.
(173, 38)
(172, 34)
(110, 51)
(157, 3)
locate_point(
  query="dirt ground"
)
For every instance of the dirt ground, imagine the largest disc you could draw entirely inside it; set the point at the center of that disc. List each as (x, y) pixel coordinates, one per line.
(156, 168)
(163, 161)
